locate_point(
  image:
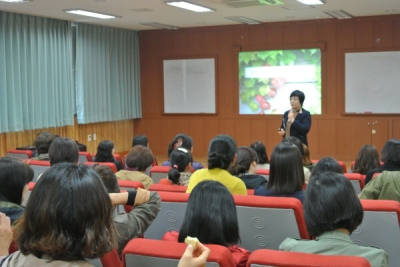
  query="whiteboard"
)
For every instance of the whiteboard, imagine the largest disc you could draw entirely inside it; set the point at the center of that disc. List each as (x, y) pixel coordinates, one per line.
(189, 86)
(372, 82)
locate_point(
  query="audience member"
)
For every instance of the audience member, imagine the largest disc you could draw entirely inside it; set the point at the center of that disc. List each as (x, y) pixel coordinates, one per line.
(299, 145)
(14, 178)
(391, 159)
(42, 143)
(333, 221)
(181, 164)
(261, 150)
(105, 153)
(245, 168)
(286, 175)
(185, 141)
(140, 140)
(63, 150)
(367, 159)
(217, 225)
(137, 161)
(61, 225)
(327, 164)
(135, 223)
(384, 186)
(221, 155)
(307, 163)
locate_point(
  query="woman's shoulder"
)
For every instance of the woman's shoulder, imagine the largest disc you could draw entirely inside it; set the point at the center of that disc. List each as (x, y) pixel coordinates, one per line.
(262, 191)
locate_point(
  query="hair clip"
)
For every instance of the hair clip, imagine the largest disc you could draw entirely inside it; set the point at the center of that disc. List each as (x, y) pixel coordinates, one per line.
(184, 150)
(175, 166)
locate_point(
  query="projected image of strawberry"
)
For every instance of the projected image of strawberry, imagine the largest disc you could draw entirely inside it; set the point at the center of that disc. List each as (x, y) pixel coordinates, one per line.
(278, 83)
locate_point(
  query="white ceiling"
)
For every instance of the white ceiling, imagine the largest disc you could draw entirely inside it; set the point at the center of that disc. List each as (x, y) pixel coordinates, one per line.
(162, 13)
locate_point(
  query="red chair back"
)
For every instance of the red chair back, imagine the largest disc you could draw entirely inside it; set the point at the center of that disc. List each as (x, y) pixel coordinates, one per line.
(141, 252)
(127, 185)
(264, 222)
(111, 259)
(19, 154)
(168, 188)
(38, 166)
(376, 174)
(118, 157)
(84, 157)
(108, 164)
(266, 257)
(357, 180)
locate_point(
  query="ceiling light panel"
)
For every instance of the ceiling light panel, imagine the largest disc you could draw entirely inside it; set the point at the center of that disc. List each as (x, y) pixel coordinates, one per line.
(16, 1)
(189, 6)
(243, 20)
(312, 2)
(92, 14)
(339, 14)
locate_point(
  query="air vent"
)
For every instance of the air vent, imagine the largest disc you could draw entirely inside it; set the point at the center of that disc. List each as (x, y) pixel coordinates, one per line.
(141, 10)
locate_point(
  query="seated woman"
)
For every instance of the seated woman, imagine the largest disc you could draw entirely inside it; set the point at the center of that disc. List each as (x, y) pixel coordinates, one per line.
(217, 225)
(221, 155)
(327, 164)
(286, 175)
(105, 153)
(181, 164)
(61, 225)
(137, 161)
(14, 178)
(185, 141)
(299, 145)
(245, 168)
(263, 162)
(135, 223)
(385, 186)
(307, 163)
(63, 150)
(333, 221)
(367, 159)
(142, 140)
(391, 159)
(42, 144)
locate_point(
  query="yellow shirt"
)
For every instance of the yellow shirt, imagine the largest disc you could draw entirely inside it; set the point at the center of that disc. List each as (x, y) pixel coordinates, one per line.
(234, 184)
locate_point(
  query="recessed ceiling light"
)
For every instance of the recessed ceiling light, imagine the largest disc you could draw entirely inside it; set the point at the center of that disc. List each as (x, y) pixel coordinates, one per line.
(312, 2)
(91, 14)
(16, 1)
(189, 6)
(339, 14)
(243, 20)
(159, 25)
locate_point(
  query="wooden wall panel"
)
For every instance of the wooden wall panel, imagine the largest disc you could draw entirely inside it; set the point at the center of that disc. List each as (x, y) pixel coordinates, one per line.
(120, 132)
(332, 133)
(383, 33)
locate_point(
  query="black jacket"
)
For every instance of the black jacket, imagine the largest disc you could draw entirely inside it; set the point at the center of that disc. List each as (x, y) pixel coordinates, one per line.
(300, 126)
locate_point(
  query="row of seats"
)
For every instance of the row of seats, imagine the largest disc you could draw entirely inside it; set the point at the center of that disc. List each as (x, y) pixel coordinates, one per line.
(149, 253)
(264, 222)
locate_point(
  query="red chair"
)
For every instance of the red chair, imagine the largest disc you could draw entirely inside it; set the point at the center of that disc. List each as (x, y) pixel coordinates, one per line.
(159, 172)
(118, 157)
(141, 252)
(84, 157)
(20, 154)
(380, 227)
(250, 191)
(263, 172)
(111, 259)
(108, 164)
(127, 185)
(266, 257)
(168, 188)
(172, 212)
(357, 180)
(38, 166)
(264, 222)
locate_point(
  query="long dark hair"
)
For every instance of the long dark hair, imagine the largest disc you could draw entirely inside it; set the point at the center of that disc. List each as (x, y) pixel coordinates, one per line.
(61, 221)
(286, 174)
(14, 176)
(211, 215)
(104, 151)
(221, 152)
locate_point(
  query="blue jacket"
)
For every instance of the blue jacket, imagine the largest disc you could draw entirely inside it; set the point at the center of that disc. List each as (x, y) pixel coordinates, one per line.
(300, 126)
